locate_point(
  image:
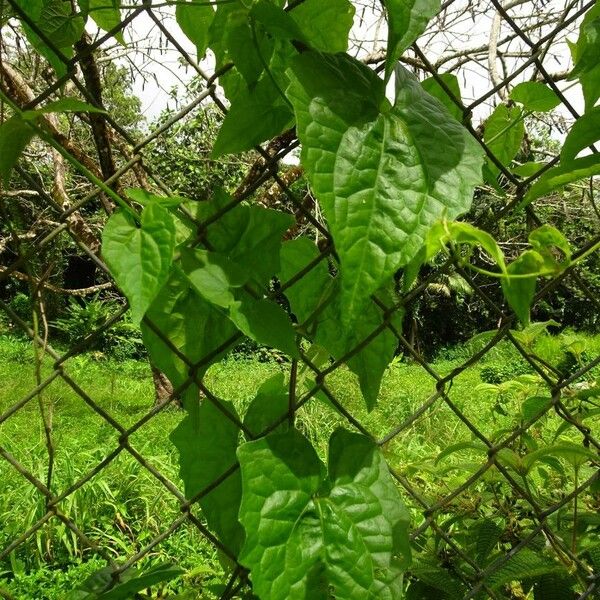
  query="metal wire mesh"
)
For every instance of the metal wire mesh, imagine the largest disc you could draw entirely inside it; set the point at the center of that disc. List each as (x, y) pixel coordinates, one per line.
(268, 170)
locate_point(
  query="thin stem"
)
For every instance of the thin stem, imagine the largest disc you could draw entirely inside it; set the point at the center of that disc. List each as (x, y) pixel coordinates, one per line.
(575, 504)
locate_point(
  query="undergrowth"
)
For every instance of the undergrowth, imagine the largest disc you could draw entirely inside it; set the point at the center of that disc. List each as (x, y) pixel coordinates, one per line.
(124, 507)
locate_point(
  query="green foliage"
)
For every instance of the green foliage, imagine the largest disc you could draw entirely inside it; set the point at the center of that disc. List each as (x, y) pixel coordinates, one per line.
(19, 130)
(202, 274)
(214, 437)
(105, 16)
(306, 295)
(519, 286)
(140, 257)
(585, 131)
(346, 532)
(345, 127)
(195, 19)
(407, 21)
(125, 390)
(269, 405)
(81, 319)
(558, 177)
(585, 56)
(60, 26)
(503, 134)
(100, 585)
(15, 135)
(372, 359)
(21, 304)
(325, 29)
(256, 115)
(518, 278)
(433, 87)
(183, 158)
(182, 319)
(499, 373)
(265, 322)
(535, 96)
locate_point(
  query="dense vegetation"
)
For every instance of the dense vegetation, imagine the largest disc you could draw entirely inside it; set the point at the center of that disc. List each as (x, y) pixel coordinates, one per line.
(123, 509)
(387, 355)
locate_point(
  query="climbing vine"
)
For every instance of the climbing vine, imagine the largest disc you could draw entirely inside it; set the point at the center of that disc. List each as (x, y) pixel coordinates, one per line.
(391, 173)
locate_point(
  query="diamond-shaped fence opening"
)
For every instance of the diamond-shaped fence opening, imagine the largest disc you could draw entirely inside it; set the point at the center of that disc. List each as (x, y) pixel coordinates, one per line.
(516, 469)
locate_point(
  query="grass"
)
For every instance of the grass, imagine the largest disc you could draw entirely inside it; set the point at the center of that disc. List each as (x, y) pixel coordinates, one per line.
(124, 507)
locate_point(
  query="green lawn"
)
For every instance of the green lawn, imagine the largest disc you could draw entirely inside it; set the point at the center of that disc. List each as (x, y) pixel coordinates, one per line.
(124, 507)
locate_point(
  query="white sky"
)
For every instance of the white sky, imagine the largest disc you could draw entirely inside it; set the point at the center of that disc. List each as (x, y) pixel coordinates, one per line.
(163, 69)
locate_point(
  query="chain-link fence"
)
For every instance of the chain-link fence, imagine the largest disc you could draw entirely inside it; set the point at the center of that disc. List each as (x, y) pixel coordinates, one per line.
(447, 504)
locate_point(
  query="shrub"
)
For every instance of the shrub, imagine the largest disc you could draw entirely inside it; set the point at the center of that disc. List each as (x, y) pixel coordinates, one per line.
(83, 318)
(500, 372)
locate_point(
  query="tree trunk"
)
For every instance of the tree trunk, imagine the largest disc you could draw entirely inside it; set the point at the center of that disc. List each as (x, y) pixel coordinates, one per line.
(163, 389)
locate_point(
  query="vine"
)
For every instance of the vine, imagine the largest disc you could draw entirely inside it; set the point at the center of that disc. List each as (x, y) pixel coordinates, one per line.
(391, 178)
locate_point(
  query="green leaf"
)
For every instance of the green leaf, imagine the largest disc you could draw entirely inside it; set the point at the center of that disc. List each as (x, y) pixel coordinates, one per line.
(546, 240)
(530, 334)
(371, 361)
(219, 281)
(433, 87)
(519, 291)
(107, 18)
(509, 458)
(213, 275)
(407, 20)
(256, 114)
(463, 233)
(57, 21)
(249, 236)
(554, 587)
(189, 323)
(207, 446)
(526, 564)
(558, 177)
(590, 84)
(354, 461)
(140, 257)
(585, 131)
(307, 294)
(284, 469)
(479, 447)
(587, 66)
(219, 33)
(311, 537)
(232, 40)
(266, 323)
(132, 581)
(574, 454)
(146, 198)
(276, 21)
(380, 177)
(33, 8)
(438, 581)
(15, 135)
(67, 105)
(528, 169)
(503, 134)
(534, 407)
(487, 535)
(535, 96)
(159, 574)
(588, 44)
(325, 25)
(195, 19)
(269, 404)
